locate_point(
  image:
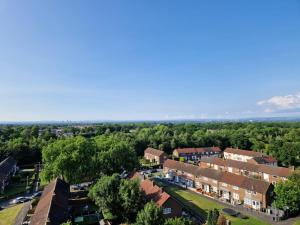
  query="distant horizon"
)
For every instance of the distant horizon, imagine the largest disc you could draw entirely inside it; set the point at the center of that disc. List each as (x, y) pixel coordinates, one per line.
(247, 119)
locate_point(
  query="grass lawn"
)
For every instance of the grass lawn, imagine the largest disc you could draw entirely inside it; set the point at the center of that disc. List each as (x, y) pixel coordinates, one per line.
(202, 205)
(297, 222)
(8, 216)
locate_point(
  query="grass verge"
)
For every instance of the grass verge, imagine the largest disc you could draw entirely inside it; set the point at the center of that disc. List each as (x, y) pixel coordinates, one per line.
(9, 215)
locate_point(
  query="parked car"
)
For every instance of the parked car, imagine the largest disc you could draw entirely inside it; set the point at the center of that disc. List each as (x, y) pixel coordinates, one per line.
(36, 194)
(78, 187)
(21, 200)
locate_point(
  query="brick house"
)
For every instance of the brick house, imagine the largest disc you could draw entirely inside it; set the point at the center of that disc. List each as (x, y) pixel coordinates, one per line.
(180, 172)
(251, 192)
(170, 207)
(155, 155)
(195, 154)
(52, 208)
(271, 174)
(229, 187)
(8, 168)
(249, 156)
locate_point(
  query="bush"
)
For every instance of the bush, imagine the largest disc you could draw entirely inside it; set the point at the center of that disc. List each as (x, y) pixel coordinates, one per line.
(16, 178)
(34, 202)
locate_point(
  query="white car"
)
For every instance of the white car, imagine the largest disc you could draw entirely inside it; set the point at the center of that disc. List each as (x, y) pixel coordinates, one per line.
(20, 200)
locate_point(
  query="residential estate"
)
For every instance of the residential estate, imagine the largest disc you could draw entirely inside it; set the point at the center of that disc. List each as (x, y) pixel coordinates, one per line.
(195, 154)
(229, 187)
(8, 168)
(239, 177)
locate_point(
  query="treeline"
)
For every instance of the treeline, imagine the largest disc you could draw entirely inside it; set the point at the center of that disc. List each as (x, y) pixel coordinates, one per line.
(24, 143)
(280, 139)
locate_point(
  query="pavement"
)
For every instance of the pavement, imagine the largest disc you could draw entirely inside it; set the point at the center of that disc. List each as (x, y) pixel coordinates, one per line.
(22, 214)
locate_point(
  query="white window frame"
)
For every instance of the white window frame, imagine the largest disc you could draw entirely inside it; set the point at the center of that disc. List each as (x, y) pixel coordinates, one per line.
(167, 211)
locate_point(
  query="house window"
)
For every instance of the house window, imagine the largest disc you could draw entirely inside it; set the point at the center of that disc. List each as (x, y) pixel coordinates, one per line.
(167, 211)
(236, 196)
(251, 192)
(247, 201)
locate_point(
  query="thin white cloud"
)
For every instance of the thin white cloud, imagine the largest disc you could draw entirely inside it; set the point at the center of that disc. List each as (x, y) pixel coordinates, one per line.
(286, 102)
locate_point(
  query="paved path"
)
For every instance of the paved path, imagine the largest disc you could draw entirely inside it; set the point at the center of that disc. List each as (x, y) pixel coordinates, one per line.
(22, 214)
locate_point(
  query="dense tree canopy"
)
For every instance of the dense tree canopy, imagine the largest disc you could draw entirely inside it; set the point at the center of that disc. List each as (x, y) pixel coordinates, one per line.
(118, 199)
(80, 159)
(72, 159)
(280, 139)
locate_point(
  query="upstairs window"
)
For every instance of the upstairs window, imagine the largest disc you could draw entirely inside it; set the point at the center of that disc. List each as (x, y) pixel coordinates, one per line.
(167, 211)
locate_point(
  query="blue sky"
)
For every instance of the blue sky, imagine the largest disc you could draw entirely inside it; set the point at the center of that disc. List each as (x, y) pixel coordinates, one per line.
(136, 59)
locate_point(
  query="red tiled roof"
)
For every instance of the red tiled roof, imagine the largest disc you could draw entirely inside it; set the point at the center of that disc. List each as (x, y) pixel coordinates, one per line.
(243, 152)
(154, 151)
(198, 150)
(260, 168)
(275, 170)
(153, 192)
(53, 205)
(162, 199)
(213, 160)
(188, 168)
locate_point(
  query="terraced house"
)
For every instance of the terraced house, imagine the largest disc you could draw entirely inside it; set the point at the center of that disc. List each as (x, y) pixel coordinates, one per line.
(249, 156)
(195, 154)
(8, 168)
(271, 174)
(229, 187)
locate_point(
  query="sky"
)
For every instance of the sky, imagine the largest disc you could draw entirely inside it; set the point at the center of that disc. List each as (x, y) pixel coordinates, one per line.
(148, 60)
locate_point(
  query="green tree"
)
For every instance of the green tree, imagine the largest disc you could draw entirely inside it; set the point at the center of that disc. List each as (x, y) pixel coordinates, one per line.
(72, 159)
(105, 194)
(118, 199)
(212, 217)
(287, 194)
(112, 151)
(150, 215)
(130, 198)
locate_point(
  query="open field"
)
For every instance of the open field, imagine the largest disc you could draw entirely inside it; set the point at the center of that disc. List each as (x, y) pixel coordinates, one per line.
(201, 205)
(8, 216)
